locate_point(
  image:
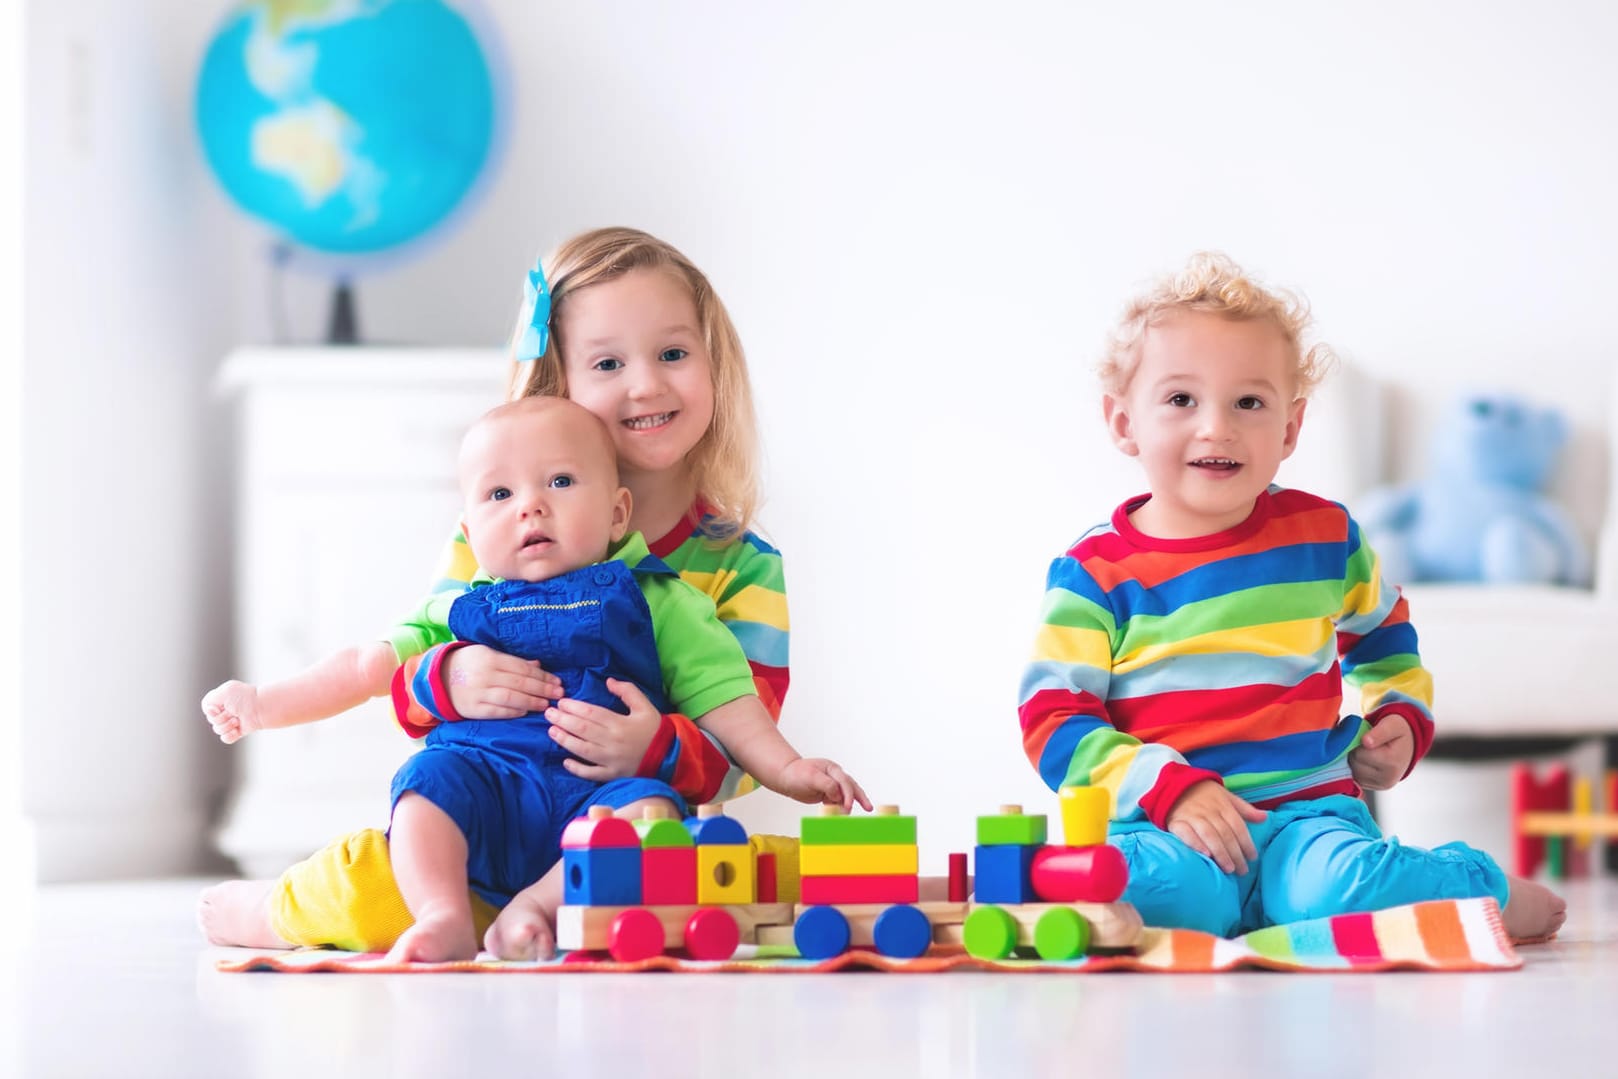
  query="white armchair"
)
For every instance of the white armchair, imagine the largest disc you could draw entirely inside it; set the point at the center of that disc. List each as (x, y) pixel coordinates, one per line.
(1517, 669)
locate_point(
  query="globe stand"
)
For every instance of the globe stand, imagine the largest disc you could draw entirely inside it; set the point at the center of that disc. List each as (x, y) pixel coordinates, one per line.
(343, 326)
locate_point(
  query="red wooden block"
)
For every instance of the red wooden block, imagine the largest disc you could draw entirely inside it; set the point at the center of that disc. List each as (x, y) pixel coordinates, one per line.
(599, 829)
(764, 882)
(957, 878)
(902, 888)
(668, 876)
(1079, 874)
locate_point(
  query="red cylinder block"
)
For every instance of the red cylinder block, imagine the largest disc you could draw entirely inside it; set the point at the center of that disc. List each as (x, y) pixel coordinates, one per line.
(1079, 874)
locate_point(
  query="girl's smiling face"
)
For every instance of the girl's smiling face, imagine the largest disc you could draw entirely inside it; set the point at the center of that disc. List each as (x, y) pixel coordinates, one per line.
(1211, 410)
(633, 353)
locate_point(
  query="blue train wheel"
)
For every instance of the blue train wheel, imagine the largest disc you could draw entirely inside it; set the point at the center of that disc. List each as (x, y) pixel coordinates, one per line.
(821, 933)
(902, 932)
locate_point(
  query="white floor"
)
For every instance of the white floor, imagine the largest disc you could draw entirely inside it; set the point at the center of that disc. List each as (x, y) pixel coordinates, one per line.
(113, 980)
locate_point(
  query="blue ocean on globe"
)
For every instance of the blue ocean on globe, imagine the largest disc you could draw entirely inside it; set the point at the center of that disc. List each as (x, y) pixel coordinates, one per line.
(350, 126)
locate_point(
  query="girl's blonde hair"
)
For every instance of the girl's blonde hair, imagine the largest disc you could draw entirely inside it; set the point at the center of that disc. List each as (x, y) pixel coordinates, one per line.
(1212, 283)
(725, 460)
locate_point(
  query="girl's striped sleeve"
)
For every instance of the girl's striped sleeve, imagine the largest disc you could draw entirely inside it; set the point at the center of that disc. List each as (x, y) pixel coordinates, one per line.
(456, 568)
(745, 580)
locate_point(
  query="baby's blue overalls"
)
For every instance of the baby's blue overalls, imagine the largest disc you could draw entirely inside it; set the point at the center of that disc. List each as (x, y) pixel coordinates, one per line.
(1315, 858)
(502, 780)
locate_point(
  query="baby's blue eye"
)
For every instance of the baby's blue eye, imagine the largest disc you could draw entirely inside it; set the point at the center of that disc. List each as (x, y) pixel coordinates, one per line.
(1250, 404)
(672, 354)
(1180, 400)
(561, 481)
(608, 364)
(499, 494)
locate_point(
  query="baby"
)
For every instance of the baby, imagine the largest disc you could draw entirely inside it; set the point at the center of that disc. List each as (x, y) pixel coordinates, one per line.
(484, 802)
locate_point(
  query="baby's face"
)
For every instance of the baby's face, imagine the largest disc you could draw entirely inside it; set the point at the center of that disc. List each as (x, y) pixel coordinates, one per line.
(542, 495)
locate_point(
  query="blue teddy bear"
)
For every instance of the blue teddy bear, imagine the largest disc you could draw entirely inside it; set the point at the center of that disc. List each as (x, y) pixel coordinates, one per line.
(1479, 516)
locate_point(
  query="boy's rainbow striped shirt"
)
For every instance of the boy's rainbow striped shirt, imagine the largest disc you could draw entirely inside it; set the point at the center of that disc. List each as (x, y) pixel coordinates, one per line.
(1161, 663)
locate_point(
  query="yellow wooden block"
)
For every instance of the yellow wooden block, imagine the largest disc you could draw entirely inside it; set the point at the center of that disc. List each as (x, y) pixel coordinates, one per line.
(725, 874)
(1085, 812)
(858, 860)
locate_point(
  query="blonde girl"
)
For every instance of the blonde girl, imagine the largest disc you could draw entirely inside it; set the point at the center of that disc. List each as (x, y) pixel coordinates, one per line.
(624, 324)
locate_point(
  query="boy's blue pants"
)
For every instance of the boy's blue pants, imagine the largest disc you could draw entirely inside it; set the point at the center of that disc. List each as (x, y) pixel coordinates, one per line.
(1315, 858)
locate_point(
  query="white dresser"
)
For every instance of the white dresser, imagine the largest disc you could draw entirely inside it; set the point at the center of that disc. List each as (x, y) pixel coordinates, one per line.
(345, 498)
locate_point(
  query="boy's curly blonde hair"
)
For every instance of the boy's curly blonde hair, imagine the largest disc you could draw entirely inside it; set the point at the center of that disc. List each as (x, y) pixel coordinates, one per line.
(1212, 283)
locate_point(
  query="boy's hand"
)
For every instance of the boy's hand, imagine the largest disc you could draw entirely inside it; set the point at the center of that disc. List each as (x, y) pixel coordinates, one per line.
(815, 779)
(233, 711)
(485, 684)
(1212, 821)
(613, 744)
(1383, 756)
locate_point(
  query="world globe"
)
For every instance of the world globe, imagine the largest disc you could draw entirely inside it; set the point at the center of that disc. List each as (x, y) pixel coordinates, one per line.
(349, 126)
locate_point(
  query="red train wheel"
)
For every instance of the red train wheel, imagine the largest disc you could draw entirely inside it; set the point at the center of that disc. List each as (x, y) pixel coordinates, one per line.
(635, 934)
(711, 934)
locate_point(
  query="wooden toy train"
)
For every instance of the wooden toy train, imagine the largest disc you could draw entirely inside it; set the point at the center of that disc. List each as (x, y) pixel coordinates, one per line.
(635, 889)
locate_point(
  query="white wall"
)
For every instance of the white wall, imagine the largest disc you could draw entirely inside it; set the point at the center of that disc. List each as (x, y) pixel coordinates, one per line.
(923, 217)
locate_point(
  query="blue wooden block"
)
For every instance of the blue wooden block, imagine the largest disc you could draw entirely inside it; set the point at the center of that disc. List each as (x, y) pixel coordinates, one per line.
(1003, 875)
(601, 877)
(716, 829)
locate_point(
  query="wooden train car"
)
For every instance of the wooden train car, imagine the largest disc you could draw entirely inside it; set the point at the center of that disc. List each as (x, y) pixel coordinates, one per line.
(637, 889)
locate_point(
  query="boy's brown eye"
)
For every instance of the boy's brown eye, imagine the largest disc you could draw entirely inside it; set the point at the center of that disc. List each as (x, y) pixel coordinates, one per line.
(1180, 400)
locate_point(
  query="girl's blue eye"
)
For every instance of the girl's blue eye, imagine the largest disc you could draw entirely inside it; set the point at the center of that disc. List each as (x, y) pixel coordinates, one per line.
(499, 494)
(672, 354)
(561, 481)
(1250, 404)
(1180, 400)
(608, 364)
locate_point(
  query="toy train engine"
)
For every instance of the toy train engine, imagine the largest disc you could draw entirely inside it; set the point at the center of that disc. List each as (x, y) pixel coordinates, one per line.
(1057, 901)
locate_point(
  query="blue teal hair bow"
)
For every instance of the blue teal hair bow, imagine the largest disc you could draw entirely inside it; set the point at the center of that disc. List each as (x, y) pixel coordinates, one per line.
(536, 327)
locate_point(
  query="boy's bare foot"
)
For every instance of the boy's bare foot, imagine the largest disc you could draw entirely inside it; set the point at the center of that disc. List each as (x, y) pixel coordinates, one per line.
(236, 914)
(523, 931)
(1533, 912)
(437, 937)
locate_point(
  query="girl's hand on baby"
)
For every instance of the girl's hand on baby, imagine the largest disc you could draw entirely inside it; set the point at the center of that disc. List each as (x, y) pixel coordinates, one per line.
(1383, 756)
(613, 744)
(485, 684)
(815, 780)
(233, 711)
(1212, 821)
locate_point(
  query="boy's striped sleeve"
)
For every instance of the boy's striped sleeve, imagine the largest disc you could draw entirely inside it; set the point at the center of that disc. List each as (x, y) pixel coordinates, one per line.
(1067, 733)
(1376, 643)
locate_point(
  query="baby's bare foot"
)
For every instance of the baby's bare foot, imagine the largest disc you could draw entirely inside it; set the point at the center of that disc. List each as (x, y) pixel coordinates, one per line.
(436, 938)
(236, 913)
(1533, 912)
(522, 931)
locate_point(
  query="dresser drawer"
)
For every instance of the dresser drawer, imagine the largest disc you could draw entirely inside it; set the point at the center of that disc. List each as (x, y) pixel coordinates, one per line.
(342, 434)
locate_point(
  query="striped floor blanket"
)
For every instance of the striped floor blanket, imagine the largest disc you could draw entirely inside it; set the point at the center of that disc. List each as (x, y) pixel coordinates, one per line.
(1441, 935)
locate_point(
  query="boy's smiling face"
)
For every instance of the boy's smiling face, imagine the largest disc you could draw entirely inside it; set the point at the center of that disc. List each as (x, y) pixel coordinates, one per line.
(1211, 411)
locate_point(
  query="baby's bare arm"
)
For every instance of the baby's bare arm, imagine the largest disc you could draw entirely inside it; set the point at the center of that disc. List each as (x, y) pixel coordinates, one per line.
(335, 684)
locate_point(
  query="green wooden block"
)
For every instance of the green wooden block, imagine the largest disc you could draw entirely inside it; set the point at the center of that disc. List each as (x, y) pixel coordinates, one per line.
(1012, 830)
(663, 832)
(880, 828)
